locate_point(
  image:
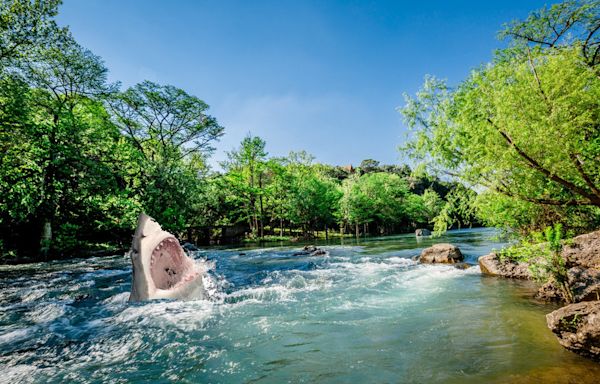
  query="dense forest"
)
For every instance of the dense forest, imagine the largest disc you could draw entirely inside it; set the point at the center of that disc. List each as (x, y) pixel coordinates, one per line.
(515, 145)
(81, 158)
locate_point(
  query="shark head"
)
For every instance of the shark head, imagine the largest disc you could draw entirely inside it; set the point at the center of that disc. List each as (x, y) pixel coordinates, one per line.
(161, 268)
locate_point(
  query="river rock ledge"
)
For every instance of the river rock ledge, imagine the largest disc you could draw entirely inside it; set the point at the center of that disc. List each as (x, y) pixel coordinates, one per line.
(577, 327)
(583, 251)
(441, 253)
(492, 265)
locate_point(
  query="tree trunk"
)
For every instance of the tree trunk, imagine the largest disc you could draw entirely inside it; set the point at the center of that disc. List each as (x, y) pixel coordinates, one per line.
(326, 233)
(357, 230)
(48, 211)
(46, 239)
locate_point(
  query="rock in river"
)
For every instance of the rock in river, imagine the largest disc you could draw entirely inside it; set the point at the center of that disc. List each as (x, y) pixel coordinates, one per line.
(312, 251)
(423, 232)
(492, 265)
(577, 327)
(441, 253)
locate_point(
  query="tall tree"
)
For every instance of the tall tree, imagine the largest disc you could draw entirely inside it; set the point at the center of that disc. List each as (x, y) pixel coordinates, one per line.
(246, 167)
(63, 78)
(525, 126)
(172, 134)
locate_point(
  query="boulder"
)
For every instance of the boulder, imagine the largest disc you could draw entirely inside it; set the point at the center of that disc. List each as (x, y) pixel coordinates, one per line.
(423, 232)
(583, 251)
(585, 284)
(577, 327)
(492, 265)
(441, 253)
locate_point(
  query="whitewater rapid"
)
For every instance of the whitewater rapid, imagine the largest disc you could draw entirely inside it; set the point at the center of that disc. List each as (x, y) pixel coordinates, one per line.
(363, 312)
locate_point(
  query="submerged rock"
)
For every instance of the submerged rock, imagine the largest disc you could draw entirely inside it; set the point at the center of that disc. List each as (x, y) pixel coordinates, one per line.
(583, 251)
(441, 253)
(492, 265)
(423, 232)
(462, 266)
(577, 327)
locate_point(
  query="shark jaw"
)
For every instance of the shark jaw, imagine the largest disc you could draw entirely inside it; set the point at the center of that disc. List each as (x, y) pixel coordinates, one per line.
(160, 267)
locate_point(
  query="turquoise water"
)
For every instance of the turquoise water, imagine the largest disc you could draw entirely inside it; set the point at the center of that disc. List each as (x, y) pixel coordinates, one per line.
(364, 313)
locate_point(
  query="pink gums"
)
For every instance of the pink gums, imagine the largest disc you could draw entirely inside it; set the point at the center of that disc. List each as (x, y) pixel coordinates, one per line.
(169, 266)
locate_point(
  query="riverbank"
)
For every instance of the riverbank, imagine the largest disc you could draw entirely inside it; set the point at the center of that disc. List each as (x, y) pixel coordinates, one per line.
(573, 281)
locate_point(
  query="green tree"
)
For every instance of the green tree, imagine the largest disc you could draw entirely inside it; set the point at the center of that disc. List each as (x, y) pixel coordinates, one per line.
(65, 80)
(26, 25)
(172, 135)
(379, 198)
(314, 202)
(246, 174)
(524, 127)
(279, 192)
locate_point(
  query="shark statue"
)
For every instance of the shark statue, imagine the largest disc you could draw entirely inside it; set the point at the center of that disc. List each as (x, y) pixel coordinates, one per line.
(161, 268)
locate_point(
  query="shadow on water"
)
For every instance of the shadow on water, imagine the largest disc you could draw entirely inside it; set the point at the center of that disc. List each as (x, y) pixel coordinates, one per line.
(363, 313)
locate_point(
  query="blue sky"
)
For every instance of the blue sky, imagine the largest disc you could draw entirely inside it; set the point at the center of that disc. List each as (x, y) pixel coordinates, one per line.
(323, 76)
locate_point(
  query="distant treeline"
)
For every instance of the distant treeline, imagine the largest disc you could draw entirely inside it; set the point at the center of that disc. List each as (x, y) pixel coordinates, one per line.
(273, 196)
(80, 159)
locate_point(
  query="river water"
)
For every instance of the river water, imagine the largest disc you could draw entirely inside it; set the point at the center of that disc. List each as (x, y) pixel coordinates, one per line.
(364, 313)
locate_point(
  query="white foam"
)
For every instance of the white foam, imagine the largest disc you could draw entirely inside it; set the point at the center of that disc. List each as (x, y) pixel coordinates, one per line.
(16, 335)
(46, 313)
(113, 350)
(400, 260)
(33, 295)
(185, 315)
(20, 373)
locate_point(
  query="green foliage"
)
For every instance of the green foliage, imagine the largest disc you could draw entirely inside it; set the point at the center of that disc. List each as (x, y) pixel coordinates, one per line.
(573, 22)
(570, 323)
(542, 250)
(456, 211)
(551, 266)
(24, 26)
(380, 198)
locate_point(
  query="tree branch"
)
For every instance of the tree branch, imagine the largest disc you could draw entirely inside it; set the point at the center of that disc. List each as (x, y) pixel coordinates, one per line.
(579, 165)
(595, 200)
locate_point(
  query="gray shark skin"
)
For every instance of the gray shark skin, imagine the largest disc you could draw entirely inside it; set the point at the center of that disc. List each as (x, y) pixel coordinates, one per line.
(160, 267)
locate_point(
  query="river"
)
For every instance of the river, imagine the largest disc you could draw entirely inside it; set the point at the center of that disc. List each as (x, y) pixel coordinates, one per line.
(364, 313)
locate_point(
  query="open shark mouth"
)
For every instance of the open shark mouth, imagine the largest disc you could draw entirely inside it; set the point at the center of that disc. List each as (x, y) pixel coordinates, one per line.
(161, 268)
(170, 267)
